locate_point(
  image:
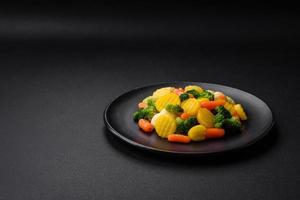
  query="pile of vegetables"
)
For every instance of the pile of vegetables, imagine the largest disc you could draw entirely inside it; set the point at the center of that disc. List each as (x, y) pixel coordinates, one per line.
(189, 114)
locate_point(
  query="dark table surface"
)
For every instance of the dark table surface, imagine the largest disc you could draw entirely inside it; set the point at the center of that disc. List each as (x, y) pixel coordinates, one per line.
(61, 66)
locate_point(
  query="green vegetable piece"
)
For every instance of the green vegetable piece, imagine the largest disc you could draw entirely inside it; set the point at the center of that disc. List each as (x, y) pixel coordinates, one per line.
(195, 93)
(232, 126)
(151, 102)
(206, 94)
(219, 118)
(184, 97)
(178, 120)
(190, 122)
(176, 109)
(146, 113)
(181, 128)
(186, 125)
(223, 111)
(222, 114)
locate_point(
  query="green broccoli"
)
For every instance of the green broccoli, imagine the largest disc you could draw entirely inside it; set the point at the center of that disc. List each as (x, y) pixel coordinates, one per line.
(221, 110)
(176, 109)
(195, 93)
(232, 126)
(222, 114)
(181, 128)
(178, 120)
(206, 94)
(185, 125)
(190, 122)
(146, 113)
(184, 97)
(218, 120)
(151, 102)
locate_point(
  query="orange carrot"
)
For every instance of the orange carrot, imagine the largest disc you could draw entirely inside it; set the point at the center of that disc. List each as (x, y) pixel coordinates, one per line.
(145, 125)
(184, 116)
(212, 104)
(214, 133)
(178, 91)
(179, 138)
(222, 97)
(142, 105)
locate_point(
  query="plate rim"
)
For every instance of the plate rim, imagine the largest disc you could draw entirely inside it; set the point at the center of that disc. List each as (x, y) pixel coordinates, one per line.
(152, 149)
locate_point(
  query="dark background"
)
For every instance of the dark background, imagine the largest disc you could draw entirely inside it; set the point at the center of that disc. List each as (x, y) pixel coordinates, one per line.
(62, 63)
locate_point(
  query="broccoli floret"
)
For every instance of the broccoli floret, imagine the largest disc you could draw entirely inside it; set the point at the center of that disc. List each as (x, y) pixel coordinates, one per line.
(178, 120)
(221, 110)
(137, 116)
(151, 102)
(206, 94)
(184, 97)
(146, 113)
(190, 122)
(222, 114)
(186, 125)
(176, 109)
(219, 118)
(195, 93)
(232, 126)
(181, 128)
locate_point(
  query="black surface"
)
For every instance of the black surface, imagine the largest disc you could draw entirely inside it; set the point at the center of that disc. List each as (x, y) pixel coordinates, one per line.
(61, 65)
(118, 119)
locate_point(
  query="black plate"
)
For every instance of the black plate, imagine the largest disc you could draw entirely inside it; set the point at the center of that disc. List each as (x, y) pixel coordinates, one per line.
(118, 119)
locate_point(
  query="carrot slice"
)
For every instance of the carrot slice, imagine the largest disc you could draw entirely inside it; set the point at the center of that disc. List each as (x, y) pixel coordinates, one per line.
(179, 138)
(142, 105)
(214, 133)
(184, 116)
(212, 104)
(145, 125)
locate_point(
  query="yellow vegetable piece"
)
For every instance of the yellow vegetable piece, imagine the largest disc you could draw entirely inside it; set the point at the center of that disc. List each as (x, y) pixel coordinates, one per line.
(230, 100)
(193, 87)
(240, 111)
(148, 98)
(165, 125)
(197, 133)
(230, 107)
(202, 99)
(162, 91)
(170, 98)
(205, 117)
(191, 106)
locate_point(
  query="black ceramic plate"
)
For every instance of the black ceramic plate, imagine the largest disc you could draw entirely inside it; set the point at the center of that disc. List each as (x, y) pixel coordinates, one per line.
(118, 119)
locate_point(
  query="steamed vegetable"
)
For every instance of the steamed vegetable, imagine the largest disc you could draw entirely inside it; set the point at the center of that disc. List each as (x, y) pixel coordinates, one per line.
(205, 117)
(197, 133)
(178, 138)
(189, 114)
(165, 125)
(240, 111)
(184, 96)
(162, 91)
(214, 133)
(185, 125)
(145, 113)
(145, 125)
(184, 116)
(142, 105)
(193, 87)
(163, 101)
(206, 94)
(176, 109)
(190, 106)
(212, 104)
(232, 126)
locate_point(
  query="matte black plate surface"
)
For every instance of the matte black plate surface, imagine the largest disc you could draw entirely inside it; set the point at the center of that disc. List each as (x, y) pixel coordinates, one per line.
(118, 119)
